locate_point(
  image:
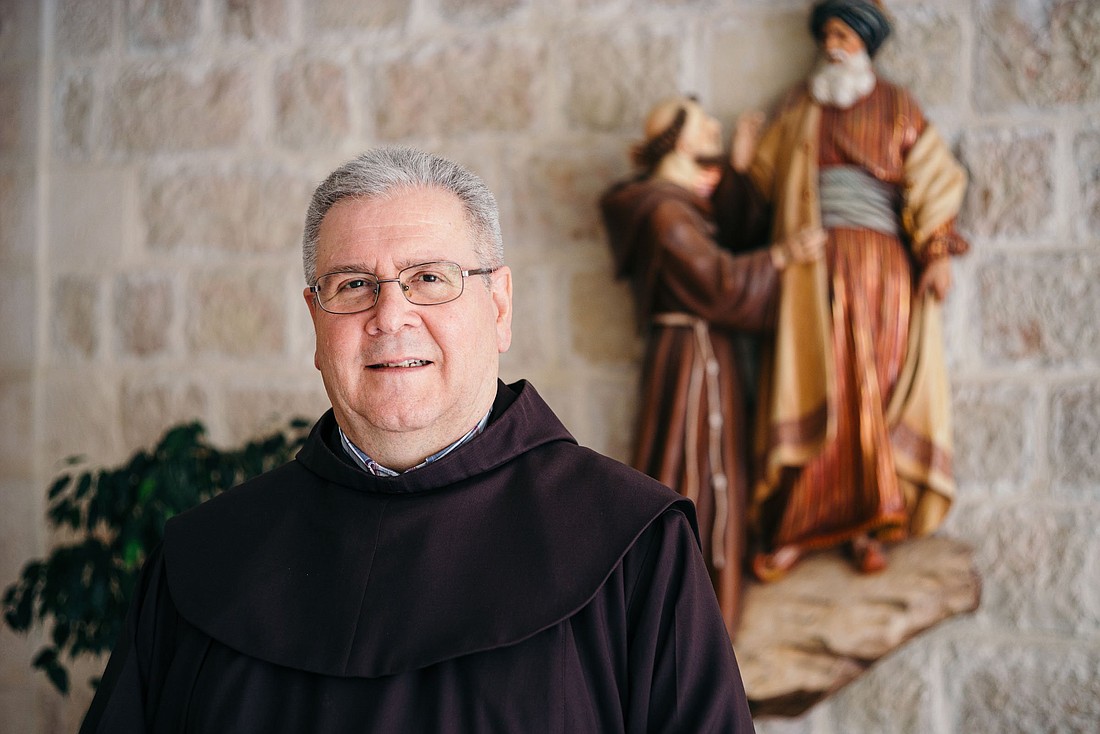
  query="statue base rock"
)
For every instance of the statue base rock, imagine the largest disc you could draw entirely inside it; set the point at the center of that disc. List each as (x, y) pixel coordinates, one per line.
(807, 635)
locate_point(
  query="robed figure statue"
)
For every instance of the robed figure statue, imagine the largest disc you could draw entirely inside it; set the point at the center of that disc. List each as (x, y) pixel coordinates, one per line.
(853, 434)
(692, 297)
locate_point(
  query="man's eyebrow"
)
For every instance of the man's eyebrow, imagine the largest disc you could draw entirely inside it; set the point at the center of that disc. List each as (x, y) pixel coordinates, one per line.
(401, 264)
(347, 269)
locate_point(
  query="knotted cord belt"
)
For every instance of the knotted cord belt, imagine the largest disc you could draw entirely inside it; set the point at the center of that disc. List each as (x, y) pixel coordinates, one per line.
(704, 370)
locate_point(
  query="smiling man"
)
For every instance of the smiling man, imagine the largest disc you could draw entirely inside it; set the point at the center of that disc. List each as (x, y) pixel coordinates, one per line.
(441, 556)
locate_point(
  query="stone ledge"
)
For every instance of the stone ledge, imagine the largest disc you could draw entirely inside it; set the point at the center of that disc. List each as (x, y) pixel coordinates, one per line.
(804, 637)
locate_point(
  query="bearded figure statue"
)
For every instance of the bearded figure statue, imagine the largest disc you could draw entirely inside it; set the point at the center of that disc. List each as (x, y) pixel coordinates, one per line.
(852, 443)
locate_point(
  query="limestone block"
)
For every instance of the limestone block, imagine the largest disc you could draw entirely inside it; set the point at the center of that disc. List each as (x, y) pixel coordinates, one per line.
(75, 100)
(17, 417)
(1074, 446)
(160, 24)
(1038, 562)
(88, 222)
(461, 88)
(479, 11)
(1040, 309)
(15, 713)
(153, 405)
(925, 54)
(143, 313)
(17, 304)
(999, 201)
(16, 97)
(252, 412)
(538, 336)
(239, 210)
(84, 28)
(821, 626)
(895, 698)
(602, 319)
(557, 192)
(1038, 53)
(614, 80)
(1086, 153)
(994, 435)
(752, 61)
(340, 15)
(177, 109)
(783, 725)
(236, 314)
(80, 411)
(19, 30)
(19, 533)
(17, 197)
(1021, 686)
(311, 107)
(256, 19)
(610, 405)
(75, 317)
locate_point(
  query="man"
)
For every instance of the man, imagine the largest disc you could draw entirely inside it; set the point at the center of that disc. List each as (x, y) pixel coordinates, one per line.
(693, 297)
(441, 556)
(853, 435)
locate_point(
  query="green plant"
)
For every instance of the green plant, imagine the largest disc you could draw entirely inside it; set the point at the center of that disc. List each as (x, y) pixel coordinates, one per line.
(111, 519)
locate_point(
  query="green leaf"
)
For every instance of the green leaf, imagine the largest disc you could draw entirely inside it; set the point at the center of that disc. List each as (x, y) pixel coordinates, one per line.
(47, 661)
(84, 485)
(132, 554)
(146, 489)
(58, 486)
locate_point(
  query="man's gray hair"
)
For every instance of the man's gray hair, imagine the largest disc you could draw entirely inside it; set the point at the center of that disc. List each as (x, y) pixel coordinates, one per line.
(383, 172)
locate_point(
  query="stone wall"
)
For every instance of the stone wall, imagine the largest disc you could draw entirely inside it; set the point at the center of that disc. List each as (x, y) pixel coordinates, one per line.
(156, 157)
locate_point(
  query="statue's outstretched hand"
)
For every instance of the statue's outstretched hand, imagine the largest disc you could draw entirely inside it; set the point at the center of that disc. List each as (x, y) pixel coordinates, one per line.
(936, 278)
(804, 246)
(746, 136)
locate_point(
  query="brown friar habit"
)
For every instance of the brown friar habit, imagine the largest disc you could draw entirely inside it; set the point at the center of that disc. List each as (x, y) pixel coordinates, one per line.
(693, 296)
(519, 584)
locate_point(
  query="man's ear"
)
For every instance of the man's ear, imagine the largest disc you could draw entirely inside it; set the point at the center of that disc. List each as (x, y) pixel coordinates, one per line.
(311, 304)
(502, 301)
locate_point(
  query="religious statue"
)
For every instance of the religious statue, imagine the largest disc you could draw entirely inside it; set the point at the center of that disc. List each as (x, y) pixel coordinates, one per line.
(853, 435)
(691, 295)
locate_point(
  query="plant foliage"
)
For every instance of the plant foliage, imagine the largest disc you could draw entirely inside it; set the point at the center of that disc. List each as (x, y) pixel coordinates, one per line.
(113, 518)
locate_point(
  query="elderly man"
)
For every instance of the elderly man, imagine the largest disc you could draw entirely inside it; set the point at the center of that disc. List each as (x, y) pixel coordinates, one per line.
(853, 437)
(441, 556)
(693, 298)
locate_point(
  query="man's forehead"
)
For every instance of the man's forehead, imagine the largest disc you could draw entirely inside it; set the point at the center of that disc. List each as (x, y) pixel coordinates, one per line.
(413, 226)
(420, 213)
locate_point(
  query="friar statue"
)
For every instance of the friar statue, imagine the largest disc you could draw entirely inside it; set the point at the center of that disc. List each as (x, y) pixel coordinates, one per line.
(853, 434)
(692, 297)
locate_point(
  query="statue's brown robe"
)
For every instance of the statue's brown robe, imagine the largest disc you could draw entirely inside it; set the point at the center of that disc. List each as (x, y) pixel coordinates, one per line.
(693, 298)
(853, 432)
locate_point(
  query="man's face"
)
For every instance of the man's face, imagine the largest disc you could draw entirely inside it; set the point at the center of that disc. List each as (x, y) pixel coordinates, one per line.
(839, 41)
(845, 74)
(425, 374)
(702, 134)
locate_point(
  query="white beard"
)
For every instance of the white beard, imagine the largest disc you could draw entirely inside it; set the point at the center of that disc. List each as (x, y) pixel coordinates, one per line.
(845, 83)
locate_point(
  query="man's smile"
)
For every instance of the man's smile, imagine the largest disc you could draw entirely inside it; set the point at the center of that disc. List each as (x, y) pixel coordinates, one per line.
(402, 364)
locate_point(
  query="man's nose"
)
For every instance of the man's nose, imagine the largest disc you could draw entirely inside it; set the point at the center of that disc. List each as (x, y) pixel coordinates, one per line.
(392, 311)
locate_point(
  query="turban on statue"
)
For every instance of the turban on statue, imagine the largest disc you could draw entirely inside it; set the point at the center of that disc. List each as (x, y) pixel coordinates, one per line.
(864, 17)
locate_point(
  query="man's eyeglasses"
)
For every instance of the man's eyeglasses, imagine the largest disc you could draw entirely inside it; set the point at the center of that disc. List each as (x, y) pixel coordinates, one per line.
(426, 284)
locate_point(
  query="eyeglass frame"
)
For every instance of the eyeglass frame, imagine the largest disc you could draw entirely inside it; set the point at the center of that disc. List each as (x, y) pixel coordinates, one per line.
(315, 288)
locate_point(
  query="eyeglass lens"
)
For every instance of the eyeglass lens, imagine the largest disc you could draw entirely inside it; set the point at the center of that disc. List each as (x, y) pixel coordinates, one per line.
(423, 285)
